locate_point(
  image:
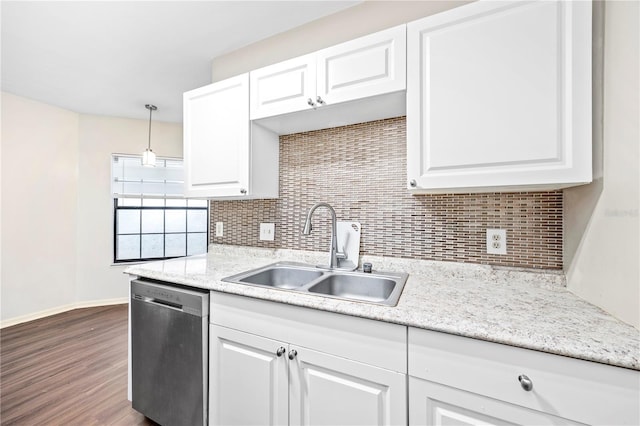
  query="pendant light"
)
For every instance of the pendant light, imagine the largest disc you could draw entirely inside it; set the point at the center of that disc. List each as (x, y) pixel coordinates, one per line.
(148, 156)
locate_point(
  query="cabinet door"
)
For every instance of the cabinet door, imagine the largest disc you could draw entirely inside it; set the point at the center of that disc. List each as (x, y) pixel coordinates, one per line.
(439, 405)
(283, 87)
(216, 139)
(328, 390)
(499, 97)
(368, 66)
(247, 380)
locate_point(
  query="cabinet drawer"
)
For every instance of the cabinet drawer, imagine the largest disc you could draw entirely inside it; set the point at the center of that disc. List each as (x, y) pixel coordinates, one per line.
(372, 342)
(438, 405)
(583, 391)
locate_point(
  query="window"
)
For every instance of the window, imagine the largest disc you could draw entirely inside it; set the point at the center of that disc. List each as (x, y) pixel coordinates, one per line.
(152, 219)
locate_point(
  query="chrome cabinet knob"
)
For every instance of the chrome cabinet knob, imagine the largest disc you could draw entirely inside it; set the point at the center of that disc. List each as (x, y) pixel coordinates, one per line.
(311, 103)
(525, 382)
(292, 354)
(280, 351)
(413, 183)
(243, 191)
(319, 100)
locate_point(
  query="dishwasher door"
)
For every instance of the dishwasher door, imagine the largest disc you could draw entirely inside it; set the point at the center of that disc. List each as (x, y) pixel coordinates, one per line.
(169, 353)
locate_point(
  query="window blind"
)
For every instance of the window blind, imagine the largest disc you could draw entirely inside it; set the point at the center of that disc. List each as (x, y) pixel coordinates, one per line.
(130, 179)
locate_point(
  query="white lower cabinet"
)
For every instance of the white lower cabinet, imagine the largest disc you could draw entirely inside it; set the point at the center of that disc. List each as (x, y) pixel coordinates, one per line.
(248, 381)
(306, 378)
(330, 390)
(462, 381)
(278, 364)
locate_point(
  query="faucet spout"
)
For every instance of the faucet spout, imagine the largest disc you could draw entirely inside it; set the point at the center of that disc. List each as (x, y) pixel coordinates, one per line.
(307, 226)
(333, 249)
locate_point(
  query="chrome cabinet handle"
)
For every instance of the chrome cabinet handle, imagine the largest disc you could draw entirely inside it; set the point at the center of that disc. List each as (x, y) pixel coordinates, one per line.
(243, 191)
(319, 100)
(311, 103)
(525, 382)
(280, 351)
(292, 354)
(413, 183)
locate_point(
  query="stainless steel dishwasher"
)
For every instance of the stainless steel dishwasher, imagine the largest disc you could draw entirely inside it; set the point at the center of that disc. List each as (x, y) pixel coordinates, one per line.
(169, 353)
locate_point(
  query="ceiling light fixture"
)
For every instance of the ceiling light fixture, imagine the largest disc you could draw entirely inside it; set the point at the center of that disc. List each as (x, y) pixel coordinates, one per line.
(148, 156)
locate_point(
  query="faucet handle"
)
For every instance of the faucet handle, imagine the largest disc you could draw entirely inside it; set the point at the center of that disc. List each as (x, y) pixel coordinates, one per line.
(341, 255)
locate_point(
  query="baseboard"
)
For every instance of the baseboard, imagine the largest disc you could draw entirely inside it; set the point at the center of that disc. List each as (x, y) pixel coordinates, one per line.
(103, 302)
(60, 309)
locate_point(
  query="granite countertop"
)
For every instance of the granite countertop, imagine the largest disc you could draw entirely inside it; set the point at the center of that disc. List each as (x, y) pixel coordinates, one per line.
(532, 310)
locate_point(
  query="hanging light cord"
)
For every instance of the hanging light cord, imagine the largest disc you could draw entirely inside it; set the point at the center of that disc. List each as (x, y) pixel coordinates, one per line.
(151, 108)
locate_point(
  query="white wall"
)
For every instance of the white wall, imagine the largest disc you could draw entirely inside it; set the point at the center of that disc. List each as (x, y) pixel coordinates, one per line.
(602, 230)
(99, 137)
(39, 199)
(362, 19)
(57, 217)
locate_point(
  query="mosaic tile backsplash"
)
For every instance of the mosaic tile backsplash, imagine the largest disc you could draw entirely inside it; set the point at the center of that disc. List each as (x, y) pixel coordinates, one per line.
(361, 171)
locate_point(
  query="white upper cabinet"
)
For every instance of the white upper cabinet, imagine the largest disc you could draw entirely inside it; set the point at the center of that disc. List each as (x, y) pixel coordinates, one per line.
(368, 66)
(284, 87)
(220, 143)
(499, 97)
(216, 138)
(324, 88)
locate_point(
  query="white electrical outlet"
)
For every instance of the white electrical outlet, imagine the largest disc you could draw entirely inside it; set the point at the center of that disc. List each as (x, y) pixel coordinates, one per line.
(267, 231)
(219, 229)
(496, 241)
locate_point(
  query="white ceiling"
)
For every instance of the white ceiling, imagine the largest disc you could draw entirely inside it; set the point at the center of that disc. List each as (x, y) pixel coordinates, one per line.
(113, 57)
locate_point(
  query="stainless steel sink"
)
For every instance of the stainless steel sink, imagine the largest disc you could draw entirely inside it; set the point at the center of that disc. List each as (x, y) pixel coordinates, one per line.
(355, 287)
(380, 287)
(282, 277)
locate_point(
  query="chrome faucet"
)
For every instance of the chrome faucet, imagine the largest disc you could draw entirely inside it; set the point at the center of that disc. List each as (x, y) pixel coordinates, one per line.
(334, 254)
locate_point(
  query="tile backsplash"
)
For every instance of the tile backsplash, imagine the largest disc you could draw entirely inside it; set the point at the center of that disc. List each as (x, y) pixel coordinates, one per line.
(361, 171)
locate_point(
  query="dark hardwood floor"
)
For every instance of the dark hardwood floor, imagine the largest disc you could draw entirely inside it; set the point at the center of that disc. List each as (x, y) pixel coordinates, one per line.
(67, 369)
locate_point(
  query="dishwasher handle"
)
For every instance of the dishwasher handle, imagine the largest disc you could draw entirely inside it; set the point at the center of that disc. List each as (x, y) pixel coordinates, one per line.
(160, 302)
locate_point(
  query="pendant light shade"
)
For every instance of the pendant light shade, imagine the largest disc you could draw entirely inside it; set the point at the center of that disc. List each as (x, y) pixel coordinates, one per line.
(148, 156)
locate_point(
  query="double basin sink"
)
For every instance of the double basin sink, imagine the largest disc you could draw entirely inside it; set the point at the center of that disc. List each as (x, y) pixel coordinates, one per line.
(382, 288)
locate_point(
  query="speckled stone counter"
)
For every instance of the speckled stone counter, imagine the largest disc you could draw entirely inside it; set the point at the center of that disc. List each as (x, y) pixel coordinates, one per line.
(521, 308)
